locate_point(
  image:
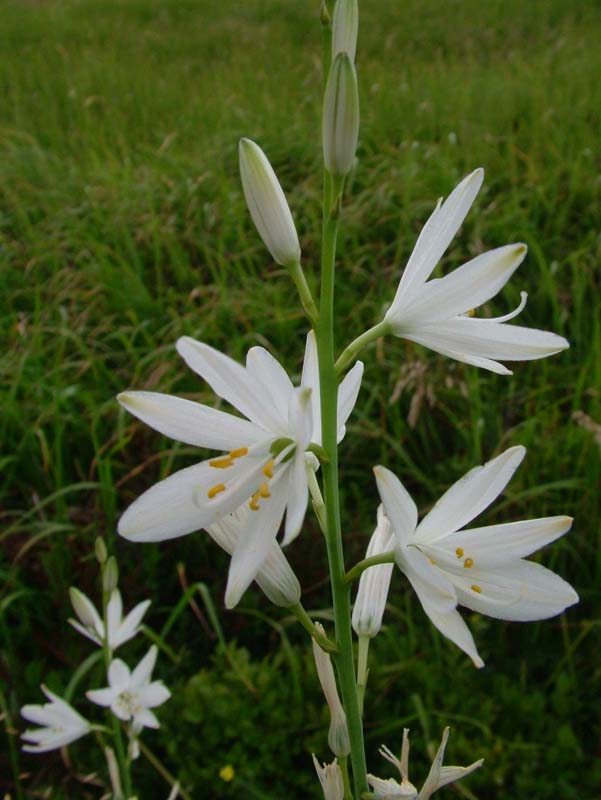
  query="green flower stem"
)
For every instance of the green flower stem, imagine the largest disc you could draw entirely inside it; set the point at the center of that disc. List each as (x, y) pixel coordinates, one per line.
(356, 346)
(302, 287)
(305, 620)
(348, 792)
(344, 660)
(115, 724)
(372, 561)
(362, 670)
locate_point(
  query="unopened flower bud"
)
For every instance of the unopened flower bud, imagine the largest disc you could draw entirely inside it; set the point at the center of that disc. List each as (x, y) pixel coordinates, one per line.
(275, 577)
(338, 737)
(100, 550)
(267, 204)
(330, 777)
(110, 575)
(340, 116)
(83, 607)
(374, 582)
(345, 26)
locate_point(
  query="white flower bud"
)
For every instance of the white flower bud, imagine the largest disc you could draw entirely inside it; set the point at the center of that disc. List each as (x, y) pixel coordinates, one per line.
(340, 116)
(330, 777)
(84, 608)
(345, 26)
(374, 582)
(338, 737)
(100, 550)
(110, 575)
(275, 577)
(267, 204)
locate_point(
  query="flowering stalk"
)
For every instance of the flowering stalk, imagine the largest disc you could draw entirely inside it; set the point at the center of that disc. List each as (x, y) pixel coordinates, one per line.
(328, 394)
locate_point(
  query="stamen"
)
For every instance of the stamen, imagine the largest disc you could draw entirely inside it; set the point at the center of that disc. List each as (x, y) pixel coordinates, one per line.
(221, 463)
(471, 312)
(268, 469)
(214, 490)
(264, 490)
(476, 588)
(459, 552)
(431, 560)
(254, 501)
(468, 563)
(514, 313)
(239, 452)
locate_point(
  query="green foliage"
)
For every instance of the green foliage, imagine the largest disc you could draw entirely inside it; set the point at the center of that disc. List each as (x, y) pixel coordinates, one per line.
(123, 226)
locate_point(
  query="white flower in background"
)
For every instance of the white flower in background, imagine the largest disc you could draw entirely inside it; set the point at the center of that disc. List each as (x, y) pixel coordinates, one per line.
(340, 116)
(330, 777)
(483, 569)
(374, 583)
(91, 625)
(267, 204)
(275, 576)
(265, 463)
(438, 776)
(131, 695)
(345, 26)
(438, 313)
(338, 737)
(60, 724)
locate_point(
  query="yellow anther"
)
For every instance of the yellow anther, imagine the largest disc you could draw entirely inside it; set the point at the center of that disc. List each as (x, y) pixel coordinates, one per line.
(431, 560)
(254, 501)
(268, 469)
(239, 452)
(221, 463)
(459, 552)
(214, 490)
(468, 563)
(227, 773)
(476, 588)
(264, 490)
(471, 312)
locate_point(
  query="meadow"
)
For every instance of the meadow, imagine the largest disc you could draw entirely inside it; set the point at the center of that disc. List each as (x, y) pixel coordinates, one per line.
(123, 226)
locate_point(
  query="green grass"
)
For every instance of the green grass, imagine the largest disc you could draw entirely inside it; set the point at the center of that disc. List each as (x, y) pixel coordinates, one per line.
(123, 226)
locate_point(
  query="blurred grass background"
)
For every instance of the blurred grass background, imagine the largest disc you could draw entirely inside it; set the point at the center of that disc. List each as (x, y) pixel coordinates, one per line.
(123, 226)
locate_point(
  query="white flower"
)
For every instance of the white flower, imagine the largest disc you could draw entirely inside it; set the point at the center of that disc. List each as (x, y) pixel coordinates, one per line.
(340, 116)
(483, 569)
(267, 204)
(61, 724)
(374, 583)
(90, 623)
(345, 25)
(438, 776)
(275, 576)
(265, 463)
(131, 695)
(338, 737)
(437, 313)
(330, 777)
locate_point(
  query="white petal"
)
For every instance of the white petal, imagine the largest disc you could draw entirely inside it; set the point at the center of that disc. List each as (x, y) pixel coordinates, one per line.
(91, 635)
(521, 591)
(449, 623)
(85, 610)
(434, 239)
(130, 625)
(466, 287)
(146, 719)
(141, 674)
(485, 338)
(469, 496)
(114, 612)
(300, 417)
(499, 544)
(432, 781)
(310, 379)
(277, 386)
(400, 508)
(118, 675)
(180, 504)
(38, 714)
(451, 774)
(347, 396)
(433, 340)
(256, 540)
(153, 695)
(431, 579)
(189, 422)
(229, 380)
(102, 697)
(298, 496)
